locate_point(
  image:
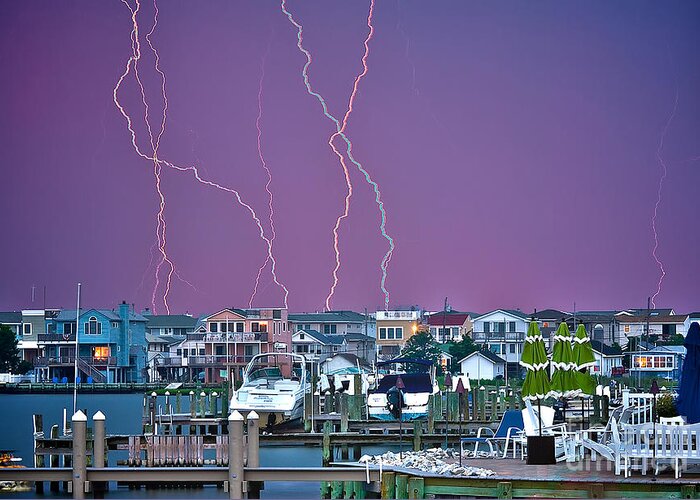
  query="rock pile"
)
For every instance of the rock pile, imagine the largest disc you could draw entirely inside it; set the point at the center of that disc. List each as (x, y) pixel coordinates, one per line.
(432, 460)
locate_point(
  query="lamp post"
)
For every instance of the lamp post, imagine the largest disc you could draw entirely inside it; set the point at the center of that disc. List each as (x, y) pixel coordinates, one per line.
(460, 392)
(654, 390)
(448, 385)
(400, 386)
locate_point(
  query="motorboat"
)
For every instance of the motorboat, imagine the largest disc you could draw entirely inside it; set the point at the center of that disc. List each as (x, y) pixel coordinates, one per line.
(274, 385)
(418, 381)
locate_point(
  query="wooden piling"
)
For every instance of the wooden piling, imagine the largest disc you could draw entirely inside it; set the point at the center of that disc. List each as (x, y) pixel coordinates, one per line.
(431, 414)
(326, 454)
(235, 455)
(79, 423)
(308, 411)
(254, 487)
(417, 435)
(416, 487)
(388, 487)
(401, 486)
(344, 413)
(98, 451)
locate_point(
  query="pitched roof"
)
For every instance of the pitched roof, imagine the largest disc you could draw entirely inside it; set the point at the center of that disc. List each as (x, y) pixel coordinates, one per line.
(69, 315)
(349, 357)
(652, 312)
(319, 337)
(550, 314)
(171, 321)
(494, 358)
(328, 317)
(604, 349)
(512, 312)
(358, 337)
(448, 319)
(676, 318)
(10, 318)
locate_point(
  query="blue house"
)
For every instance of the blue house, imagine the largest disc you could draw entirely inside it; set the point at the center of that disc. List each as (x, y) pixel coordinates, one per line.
(111, 346)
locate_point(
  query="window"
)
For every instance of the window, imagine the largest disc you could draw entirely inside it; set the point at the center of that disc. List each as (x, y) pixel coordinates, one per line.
(301, 336)
(284, 327)
(307, 327)
(93, 327)
(512, 350)
(51, 328)
(399, 332)
(511, 326)
(185, 352)
(179, 352)
(115, 324)
(220, 350)
(27, 328)
(669, 362)
(193, 352)
(255, 327)
(68, 328)
(277, 314)
(213, 327)
(240, 327)
(382, 333)
(202, 352)
(329, 329)
(335, 348)
(487, 327)
(300, 327)
(223, 327)
(249, 350)
(390, 333)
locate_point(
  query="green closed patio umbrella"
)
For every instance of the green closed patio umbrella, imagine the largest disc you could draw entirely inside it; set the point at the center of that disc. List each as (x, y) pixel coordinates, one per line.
(534, 358)
(583, 360)
(564, 383)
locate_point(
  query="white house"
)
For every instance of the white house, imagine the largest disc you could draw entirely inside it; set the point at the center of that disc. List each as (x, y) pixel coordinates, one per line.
(606, 358)
(502, 332)
(483, 365)
(661, 326)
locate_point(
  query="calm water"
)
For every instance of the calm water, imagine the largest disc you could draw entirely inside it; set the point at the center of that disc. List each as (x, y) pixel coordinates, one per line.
(123, 416)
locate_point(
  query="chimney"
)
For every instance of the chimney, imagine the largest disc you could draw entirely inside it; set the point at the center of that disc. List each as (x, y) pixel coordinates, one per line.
(124, 311)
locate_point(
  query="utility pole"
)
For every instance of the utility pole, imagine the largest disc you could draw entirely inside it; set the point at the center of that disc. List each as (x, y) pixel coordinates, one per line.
(444, 322)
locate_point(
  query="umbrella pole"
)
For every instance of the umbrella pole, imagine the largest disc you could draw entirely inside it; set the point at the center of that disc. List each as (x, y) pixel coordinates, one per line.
(539, 414)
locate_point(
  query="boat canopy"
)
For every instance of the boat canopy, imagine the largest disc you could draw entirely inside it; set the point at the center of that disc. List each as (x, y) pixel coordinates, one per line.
(413, 382)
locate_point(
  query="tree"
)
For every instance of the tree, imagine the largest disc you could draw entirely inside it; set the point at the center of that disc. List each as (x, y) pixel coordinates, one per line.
(9, 353)
(461, 350)
(423, 346)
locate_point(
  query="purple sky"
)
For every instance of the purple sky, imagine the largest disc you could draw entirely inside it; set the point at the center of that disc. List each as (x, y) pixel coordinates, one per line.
(514, 142)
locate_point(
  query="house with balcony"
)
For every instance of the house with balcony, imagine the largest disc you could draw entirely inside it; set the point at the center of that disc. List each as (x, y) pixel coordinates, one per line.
(503, 333)
(450, 326)
(334, 322)
(394, 328)
(606, 358)
(223, 343)
(27, 325)
(652, 325)
(111, 346)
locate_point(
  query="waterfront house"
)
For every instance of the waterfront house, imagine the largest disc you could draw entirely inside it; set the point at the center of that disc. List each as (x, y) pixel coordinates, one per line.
(223, 343)
(334, 322)
(112, 346)
(159, 349)
(169, 324)
(549, 320)
(315, 346)
(394, 328)
(664, 362)
(652, 325)
(606, 358)
(503, 333)
(450, 326)
(600, 325)
(482, 364)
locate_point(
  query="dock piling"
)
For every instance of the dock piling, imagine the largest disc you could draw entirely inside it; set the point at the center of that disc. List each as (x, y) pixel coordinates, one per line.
(235, 455)
(79, 424)
(254, 487)
(98, 450)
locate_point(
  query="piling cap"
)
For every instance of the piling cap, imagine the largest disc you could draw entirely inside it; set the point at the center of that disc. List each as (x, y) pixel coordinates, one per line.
(98, 416)
(253, 415)
(235, 416)
(79, 416)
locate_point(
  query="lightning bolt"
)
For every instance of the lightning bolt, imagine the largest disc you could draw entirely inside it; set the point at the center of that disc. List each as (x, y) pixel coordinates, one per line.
(158, 162)
(340, 132)
(664, 172)
(263, 164)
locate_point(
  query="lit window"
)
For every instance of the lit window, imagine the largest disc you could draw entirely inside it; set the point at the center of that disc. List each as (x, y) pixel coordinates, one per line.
(101, 352)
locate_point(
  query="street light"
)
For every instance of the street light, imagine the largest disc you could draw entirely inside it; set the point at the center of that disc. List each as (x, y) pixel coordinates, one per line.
(460, 391)
(448, 385)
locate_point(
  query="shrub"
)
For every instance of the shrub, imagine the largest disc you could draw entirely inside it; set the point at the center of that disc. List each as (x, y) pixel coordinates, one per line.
(666, 406)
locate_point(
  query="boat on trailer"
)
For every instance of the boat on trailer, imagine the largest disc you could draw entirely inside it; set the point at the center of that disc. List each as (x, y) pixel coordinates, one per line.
(419, 384)
(274, 385)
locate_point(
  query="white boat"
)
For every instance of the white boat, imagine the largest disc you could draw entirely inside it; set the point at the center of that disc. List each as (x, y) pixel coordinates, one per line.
(274, 385)
(418, 387)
